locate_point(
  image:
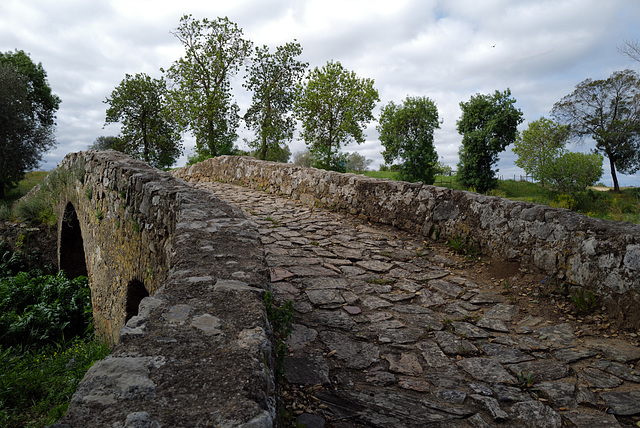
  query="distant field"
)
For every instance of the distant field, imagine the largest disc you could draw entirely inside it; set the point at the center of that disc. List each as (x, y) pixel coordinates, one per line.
(597, 202)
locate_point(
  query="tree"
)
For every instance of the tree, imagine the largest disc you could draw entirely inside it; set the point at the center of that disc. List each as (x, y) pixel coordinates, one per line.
(334, 106)
(609, 112)
(574, 172)
(303, 158)
(539, 145)
(273, 79)
(631, 48)
(357, 162)
(27, 117)
(201, 94)
(489, 123)
(406, 132)
(106, 143)
(138, 103)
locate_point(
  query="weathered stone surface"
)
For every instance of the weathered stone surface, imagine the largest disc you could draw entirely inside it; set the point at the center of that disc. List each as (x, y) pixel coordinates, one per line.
(453, 345)
(560, 335)
(540, 370)
(325, 298)
(619, 370)
(306, 370)
(504, 354)
(486, 369)
(622, 403)
(596, 378)
(334, 319)
(356, 355)
(301, 336)
(502, 312)
(492, 406)
(469, 330)
(582, 420)
(534, 414)
(559, 393)
(570, 355)
(405, 363)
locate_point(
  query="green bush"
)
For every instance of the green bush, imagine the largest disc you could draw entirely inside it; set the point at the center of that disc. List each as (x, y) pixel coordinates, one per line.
(37, 310)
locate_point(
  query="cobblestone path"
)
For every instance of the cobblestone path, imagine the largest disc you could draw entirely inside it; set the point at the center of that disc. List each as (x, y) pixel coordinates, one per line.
(391, 331)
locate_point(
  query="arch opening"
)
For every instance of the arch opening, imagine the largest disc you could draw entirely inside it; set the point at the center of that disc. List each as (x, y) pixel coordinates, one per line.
(135, 293)
(71, 258)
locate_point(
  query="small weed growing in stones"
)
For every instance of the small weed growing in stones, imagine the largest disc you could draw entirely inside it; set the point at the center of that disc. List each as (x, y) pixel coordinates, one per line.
(380, 281)
(464, 352)
(525, 380)
(272, 220)
(464, 245)
(314, 243)
(584, 301)
(89, 193)
(448, 324)
(280, 318)
(99, 215)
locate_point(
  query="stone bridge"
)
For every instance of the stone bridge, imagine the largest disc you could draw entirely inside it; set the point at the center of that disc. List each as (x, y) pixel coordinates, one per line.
(178, 276)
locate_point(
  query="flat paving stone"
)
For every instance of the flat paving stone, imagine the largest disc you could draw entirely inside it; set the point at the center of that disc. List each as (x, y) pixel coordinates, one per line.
(623, 403)
(486, 369)
(356, 355)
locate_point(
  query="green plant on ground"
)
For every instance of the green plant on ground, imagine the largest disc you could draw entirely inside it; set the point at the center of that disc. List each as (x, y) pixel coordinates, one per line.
(99, 215)
(525, 380)
(280, 318)
(272, 220)
(46, 342)
(584, 300)
(464, 245)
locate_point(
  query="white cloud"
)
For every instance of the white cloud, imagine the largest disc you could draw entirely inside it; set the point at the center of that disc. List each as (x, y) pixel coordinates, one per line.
(436, 48)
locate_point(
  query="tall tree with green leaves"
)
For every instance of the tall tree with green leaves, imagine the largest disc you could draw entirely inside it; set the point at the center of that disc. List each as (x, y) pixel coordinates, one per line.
(406, 132)
(139, 104)
(201, 97)
(334, 106)
(489, 123)
(607, 110)
(27, 117)
(273, 78)
(539, 145)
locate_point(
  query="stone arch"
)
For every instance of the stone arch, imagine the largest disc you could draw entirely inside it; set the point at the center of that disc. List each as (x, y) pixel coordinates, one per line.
(71, 257)
(136, 291)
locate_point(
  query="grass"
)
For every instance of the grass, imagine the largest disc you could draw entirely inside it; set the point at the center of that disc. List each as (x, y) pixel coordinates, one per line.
(36, 386)
(607, 205)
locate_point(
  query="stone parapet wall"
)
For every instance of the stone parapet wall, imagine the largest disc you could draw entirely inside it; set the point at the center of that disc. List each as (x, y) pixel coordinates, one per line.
(198, 352)
(601, 256)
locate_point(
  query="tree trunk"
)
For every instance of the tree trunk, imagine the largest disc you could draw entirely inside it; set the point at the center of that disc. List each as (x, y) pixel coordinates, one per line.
(616, 187)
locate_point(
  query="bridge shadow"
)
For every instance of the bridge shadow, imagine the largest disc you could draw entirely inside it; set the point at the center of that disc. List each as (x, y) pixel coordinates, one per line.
(71, 257)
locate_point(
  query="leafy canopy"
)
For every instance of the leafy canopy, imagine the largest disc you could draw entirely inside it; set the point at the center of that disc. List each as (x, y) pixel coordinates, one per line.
(406, 132)
(334, 106)
(27, 117)
(273, 78)
(200, 97)
(608, 111)
(574, 172)
(138, 103)
(489, 123)
(538, 146)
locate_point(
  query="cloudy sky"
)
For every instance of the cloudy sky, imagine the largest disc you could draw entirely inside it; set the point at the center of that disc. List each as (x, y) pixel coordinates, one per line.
(447, 50)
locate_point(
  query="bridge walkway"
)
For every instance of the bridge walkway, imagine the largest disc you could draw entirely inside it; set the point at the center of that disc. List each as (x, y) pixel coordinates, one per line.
(393, 331)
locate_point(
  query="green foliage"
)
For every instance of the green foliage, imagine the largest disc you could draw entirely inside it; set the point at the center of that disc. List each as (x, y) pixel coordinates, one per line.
(36, 386)
(465, 245)
(574, 172)
(273, 79)
(201, 97)
(607, 111)
(280, 318)
(538, 146)
(489, 123)
(106, 143)
(37, 309)
(406, 132)
(27, 113)
(584, 300)
(443, 169)
(303, 158)
(357, 162)
(148, 132)
(334, 106)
